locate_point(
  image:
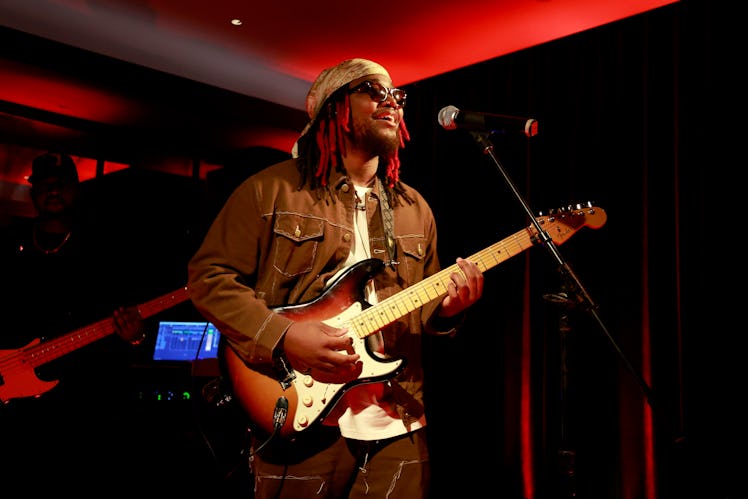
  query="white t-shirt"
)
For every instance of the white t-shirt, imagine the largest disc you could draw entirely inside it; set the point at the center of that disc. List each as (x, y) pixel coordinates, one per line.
(361, 414)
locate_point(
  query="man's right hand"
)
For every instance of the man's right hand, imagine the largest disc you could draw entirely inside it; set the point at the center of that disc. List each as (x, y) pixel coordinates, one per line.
(323, 351)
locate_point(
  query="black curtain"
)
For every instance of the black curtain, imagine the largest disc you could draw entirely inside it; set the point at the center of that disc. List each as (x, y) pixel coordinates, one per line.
(634, 393)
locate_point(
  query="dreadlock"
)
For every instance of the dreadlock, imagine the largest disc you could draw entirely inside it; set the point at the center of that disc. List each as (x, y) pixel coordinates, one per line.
(323, 146)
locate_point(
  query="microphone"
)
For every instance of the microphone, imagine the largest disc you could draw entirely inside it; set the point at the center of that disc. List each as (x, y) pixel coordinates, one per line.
(450, 118)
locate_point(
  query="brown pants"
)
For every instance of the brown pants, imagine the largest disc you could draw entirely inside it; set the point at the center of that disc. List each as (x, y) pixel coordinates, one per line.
(322, 464)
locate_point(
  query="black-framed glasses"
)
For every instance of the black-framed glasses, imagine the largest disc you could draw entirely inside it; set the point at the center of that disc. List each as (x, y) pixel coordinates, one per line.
(379, 92)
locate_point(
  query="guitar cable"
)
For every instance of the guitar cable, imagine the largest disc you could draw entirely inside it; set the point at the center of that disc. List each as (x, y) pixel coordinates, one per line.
(279, 419)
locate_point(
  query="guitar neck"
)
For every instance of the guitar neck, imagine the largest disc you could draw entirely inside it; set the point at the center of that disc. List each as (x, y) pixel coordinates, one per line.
(434, 287)
(48, 351)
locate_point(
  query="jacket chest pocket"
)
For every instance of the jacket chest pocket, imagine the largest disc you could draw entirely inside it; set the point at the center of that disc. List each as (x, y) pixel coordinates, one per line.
(412, 258)
(414, 247)
(296, 240)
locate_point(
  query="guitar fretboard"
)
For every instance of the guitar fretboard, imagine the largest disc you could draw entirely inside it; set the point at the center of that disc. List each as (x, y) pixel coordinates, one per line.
(559, 227)
(434, 287)
(39, 354)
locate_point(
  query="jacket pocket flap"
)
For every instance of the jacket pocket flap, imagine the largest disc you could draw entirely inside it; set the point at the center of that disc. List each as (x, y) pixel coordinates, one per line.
(298, 227)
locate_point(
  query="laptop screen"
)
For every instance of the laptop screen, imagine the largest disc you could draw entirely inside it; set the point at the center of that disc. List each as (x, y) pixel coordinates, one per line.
(186, 341)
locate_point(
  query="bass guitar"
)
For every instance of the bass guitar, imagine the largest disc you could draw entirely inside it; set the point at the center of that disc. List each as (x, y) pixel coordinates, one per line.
(310, 398)
(17, 367)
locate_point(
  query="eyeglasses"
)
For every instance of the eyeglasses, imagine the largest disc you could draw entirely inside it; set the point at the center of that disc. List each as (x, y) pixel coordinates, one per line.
(379, 92)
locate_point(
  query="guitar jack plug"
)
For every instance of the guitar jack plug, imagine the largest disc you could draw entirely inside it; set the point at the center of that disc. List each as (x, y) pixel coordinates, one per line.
(279, 418)
(280, 414)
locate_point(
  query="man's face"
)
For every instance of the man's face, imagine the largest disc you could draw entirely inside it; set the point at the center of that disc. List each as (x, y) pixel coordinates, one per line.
(376, 125)
(53, 195)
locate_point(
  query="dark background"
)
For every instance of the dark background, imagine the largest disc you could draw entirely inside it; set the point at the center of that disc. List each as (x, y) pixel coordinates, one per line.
(642, 118)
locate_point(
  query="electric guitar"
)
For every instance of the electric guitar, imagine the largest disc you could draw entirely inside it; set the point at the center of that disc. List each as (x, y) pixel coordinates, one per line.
(17, 376)
(310, 397)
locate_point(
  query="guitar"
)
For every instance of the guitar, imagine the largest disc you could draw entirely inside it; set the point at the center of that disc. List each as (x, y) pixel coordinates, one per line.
(17, 376)
(310, 397)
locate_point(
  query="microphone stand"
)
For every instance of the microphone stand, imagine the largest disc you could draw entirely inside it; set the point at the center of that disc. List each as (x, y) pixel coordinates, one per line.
(574, 294)
(566, 453)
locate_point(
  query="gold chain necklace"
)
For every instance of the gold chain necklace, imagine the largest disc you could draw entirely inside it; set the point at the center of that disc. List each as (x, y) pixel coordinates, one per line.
(53, 250)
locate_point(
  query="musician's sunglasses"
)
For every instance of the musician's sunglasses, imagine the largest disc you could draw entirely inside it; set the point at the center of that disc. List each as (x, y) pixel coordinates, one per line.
(379, 92)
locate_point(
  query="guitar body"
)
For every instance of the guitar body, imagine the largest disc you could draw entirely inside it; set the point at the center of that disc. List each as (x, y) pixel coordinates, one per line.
(312, 397)
(21, 380)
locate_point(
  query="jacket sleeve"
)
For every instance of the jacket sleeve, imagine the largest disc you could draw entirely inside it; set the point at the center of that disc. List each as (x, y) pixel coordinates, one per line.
(221, 275)
(432, 323)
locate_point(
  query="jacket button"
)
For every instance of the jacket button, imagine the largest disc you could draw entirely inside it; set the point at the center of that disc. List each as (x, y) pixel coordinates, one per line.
(346, 237)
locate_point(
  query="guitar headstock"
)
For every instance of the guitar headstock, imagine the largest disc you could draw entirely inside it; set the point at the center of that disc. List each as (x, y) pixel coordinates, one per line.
(562, 223)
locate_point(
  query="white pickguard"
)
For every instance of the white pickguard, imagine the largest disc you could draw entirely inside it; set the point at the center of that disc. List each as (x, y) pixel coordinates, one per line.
(316, 397)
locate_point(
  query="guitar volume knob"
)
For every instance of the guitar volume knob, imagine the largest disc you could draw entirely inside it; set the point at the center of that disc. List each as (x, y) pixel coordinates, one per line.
(307, 401)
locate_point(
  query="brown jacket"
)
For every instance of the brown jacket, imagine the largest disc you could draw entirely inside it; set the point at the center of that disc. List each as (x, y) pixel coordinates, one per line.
(273, 245)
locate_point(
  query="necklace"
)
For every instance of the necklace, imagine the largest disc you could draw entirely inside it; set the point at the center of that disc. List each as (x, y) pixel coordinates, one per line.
(51, 251)
(360, 222)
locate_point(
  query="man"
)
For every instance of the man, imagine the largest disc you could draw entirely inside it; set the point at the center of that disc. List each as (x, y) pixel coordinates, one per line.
(273, 274)
(57, 246)
(63, 408)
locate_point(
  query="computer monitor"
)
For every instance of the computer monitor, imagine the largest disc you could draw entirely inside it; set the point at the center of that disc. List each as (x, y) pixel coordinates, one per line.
(186, 341)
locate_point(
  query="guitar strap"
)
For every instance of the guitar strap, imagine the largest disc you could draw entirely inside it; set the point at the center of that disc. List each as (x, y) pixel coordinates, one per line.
(387, 222)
